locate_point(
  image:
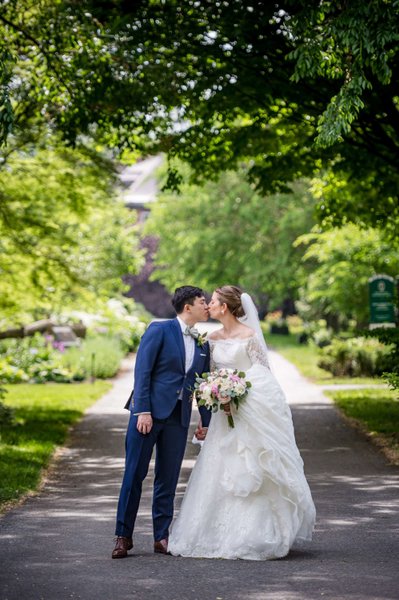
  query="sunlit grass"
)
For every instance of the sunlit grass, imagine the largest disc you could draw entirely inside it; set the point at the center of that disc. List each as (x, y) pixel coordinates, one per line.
(43, 413)
(305, 357)
(377, 411)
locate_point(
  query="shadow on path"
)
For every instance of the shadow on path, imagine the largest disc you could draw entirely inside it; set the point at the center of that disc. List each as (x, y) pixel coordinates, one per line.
(58, 544)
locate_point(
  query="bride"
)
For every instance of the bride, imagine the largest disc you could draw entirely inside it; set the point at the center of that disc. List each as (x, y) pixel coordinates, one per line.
(247, 496)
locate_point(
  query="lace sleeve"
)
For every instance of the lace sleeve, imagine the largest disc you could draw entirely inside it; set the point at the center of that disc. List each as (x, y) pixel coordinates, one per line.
(256, 352)
(212, 365)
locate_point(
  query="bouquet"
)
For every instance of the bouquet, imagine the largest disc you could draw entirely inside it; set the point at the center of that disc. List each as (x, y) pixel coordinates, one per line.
(221, 388)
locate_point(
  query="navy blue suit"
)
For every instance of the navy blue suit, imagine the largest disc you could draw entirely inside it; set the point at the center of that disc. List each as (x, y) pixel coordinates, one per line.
(164, 389)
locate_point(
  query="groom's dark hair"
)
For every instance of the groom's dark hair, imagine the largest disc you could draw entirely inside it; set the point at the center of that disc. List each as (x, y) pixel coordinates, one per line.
(186, 294)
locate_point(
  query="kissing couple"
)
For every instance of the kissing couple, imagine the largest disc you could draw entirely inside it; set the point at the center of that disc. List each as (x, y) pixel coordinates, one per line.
(247, 496)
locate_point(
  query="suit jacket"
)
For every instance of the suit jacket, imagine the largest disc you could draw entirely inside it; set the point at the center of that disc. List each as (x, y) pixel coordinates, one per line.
(159, 376)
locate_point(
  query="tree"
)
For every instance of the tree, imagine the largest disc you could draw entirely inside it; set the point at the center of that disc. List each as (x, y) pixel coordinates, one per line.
(296, 88)
(340, 262)
(64, 236)
(226, 232)
(61, 69)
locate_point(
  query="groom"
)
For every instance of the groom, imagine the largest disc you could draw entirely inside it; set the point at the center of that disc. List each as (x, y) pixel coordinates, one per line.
(170, 354)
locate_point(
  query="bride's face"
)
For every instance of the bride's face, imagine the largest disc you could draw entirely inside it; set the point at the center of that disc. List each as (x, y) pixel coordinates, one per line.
(215, 307)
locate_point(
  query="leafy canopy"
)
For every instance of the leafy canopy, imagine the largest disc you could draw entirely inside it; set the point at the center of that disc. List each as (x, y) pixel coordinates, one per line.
(297, 88)
(64, 236)
(225, 232)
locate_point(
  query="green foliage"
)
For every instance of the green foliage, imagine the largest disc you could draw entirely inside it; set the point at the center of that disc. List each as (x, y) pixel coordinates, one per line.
(355, 357)
(121, 319)
(10, 373)
(65, 70)
(98, 357)
(226, 232)
(390, 337)
(305, 357)
(277, 323)
(339, 264)
(31, 359)
(65, 238)
(322, 337)
(116, 328)
(246, 81)
(367, 197)
(392, 380)
(353, 44)
(6, 110)
(377, 411)
(43, 416)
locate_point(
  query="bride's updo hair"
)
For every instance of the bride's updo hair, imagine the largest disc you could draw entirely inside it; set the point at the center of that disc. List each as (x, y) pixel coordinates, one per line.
(231, 295)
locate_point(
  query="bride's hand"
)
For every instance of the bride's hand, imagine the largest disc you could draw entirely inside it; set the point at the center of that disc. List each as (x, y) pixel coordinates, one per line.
(227, 408)
(200, 432)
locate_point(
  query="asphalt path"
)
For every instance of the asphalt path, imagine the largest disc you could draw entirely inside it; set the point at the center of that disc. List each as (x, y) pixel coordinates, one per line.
(57, 545)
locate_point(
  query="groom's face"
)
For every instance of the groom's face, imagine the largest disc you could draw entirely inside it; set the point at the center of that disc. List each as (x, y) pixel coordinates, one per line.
(198, 310)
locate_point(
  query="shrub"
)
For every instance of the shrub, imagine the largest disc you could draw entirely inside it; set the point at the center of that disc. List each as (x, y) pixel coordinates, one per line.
(322, 337)
(277, 325)
(354, 357)
(318, 332)
(10, 373)
(123, 320)
(295, 324)
(390, 337)
(280, 328)
(34, 360)
(31, 359)
(98, 357)
(112, 332)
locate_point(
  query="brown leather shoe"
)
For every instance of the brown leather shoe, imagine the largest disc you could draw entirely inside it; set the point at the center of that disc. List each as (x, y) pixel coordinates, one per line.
(161, 547)
(123, 544)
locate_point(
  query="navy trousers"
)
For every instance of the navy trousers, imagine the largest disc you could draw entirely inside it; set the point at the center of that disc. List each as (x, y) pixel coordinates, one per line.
(169, 437)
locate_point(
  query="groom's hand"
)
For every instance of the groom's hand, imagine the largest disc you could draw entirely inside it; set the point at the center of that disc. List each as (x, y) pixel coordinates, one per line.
(200, 433)
(144, 423)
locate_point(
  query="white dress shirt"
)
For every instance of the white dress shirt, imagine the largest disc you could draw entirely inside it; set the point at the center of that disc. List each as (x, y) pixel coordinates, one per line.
(189, 344)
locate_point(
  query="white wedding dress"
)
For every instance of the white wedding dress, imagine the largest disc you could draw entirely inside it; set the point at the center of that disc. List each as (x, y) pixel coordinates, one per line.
(247, 496)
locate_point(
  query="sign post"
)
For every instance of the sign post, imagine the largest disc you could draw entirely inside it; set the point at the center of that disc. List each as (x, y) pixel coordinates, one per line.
(382, 301)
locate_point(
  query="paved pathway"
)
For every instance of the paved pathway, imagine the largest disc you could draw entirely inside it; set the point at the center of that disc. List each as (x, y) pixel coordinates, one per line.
(57, 545)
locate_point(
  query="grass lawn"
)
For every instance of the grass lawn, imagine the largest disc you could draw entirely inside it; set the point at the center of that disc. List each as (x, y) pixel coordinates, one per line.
(305, 358)
(376, 412)
(43, 414)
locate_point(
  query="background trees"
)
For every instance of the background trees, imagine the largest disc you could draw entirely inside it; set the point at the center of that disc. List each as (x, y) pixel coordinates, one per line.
(338, 264)
(64, 236)
(296, 88)
(296, 91)
(227, 232)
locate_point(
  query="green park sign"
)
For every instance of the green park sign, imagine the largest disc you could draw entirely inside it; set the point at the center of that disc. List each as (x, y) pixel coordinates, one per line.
(382, 303)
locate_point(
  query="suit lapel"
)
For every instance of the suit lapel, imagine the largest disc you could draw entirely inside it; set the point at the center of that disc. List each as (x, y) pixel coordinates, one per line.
(198, 350)
(177, 332)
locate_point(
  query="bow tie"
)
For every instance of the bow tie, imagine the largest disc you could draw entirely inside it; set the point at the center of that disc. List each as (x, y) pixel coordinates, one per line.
(192, 331)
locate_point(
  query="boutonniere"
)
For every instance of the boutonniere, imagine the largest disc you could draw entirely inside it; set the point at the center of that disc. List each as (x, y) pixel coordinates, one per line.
(201, 339)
